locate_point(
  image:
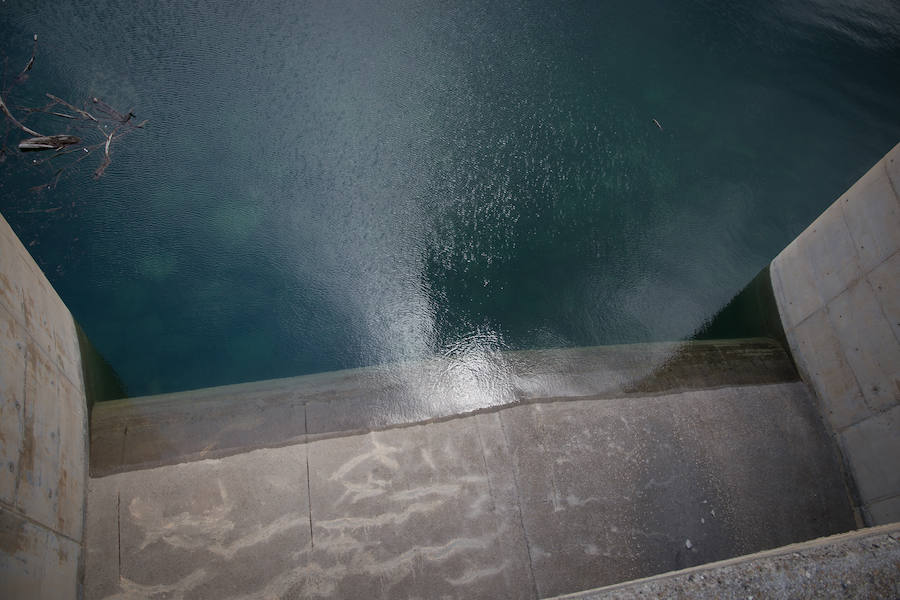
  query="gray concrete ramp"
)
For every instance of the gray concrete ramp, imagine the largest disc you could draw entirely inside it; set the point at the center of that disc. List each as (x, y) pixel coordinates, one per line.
(530, 501)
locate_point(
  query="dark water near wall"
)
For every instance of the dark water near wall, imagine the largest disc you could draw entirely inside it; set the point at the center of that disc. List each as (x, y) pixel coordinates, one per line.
(326, 185)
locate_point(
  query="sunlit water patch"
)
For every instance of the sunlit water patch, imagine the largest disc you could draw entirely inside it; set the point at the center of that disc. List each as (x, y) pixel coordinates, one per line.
(325, 186)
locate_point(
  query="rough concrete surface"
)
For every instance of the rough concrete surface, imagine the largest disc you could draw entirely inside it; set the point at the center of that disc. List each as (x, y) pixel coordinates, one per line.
(525, 502)
(215, 422)
(43, 431)
(859, 564)
(837, 287)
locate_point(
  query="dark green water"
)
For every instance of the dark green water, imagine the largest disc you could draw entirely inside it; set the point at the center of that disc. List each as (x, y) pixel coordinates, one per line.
(334, 184)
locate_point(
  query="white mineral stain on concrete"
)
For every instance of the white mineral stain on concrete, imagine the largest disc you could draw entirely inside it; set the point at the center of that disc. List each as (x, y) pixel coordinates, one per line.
(377, 520)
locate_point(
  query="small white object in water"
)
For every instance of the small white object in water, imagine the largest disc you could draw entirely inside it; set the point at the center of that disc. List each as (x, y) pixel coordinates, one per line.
(688, 544)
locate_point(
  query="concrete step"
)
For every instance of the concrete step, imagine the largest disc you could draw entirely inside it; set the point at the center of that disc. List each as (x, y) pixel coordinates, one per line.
(214, 422)
(528, 501)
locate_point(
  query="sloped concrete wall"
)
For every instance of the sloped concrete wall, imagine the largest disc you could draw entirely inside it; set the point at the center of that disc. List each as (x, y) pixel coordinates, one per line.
(838, 292)
(43, 433)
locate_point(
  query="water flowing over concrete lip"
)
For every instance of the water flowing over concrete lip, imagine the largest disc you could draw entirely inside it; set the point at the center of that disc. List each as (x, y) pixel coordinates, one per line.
(171, 428)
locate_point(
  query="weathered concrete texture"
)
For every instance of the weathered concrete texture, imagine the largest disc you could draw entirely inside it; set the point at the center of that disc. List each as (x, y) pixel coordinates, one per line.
(524, 502)
(34, 561)
(624, 489)
(215, 422)
(43, 432)
(838, 291)
(859, 564)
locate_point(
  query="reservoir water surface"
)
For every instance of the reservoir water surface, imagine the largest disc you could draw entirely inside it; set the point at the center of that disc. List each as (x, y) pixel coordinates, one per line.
(330, 185)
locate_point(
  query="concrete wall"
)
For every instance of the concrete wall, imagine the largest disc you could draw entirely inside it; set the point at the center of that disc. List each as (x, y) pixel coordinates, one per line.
(43, 453)
(838, 292)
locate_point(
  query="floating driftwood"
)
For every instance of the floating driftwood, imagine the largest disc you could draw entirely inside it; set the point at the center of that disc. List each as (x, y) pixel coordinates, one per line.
(69, 150)
(47, 142)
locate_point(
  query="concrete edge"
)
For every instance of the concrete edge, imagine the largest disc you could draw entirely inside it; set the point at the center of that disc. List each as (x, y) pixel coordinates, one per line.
(307, 438)
(144, 433)
(892, 529)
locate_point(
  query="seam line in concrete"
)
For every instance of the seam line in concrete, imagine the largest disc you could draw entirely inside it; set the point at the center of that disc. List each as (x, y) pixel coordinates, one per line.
(871, 501)
(12, 509)
(15, 498)
(515, 474)
(824, 303)
(119, 532)
(875, 413)
(487, 473)
(880, 304)
(312, 541)
(843, 356)
(884, 162)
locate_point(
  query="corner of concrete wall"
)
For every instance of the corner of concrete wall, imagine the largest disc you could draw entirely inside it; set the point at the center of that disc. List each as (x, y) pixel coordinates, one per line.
(837, 287)
(43, 433)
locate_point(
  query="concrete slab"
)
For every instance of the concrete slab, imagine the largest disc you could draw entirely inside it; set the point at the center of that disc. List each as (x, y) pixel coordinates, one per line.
(60, 578)
(892, 165)
(12, 400)
(621, 489)
(41, 307)
(34, 562)
(175, 428)
(794, 285)
(820, 358)
(868, 343)
(872, 448)
(832, 254)
(859, 564)
(412, 513)
(30, 299)
(12, 269)
(39, 465)
(101, 538)
(72, 471)
(885, 282)
(21, 561)
(872, 212)
(765, 485)
(214, 529)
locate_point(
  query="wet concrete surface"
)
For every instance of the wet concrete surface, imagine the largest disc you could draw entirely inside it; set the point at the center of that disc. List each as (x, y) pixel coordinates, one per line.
(525, 502)
(214, 422)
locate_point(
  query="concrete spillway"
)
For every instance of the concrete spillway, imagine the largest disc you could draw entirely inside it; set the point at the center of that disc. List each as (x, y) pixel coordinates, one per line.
(574, 469)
